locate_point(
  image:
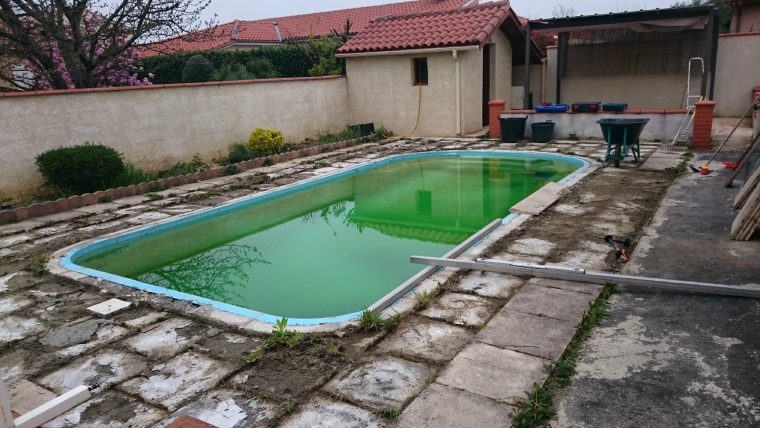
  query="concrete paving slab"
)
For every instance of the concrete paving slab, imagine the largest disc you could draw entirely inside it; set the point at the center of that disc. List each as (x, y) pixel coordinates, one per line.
(550, 302)
(15, 328)
(461, 309)
(425, 339)
(111, 409)
(440, 406)
(532, 246)
(80, 338)
(227, 409)
(145, 320)
(26, 396)
(148, 217)
(109, 307)
(22, 226)
(178, 380)
(13, 303)
(99, 208)
(12, 240)
(530, 334)
(499, 374)
(585, 259)
(381, 385)
(540, 200)
(19, 363)
(106, 369)
(164, 339)
(578, 287)
(324, 413)
(490, 284)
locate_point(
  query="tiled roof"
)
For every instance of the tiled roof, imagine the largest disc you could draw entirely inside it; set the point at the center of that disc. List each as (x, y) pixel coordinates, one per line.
(296, 27)
(467, 26)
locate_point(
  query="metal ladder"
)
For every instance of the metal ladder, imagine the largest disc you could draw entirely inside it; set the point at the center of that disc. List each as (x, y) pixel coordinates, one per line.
(682, 135)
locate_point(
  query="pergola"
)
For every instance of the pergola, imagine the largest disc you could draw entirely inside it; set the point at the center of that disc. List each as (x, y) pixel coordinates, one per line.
(656, 20)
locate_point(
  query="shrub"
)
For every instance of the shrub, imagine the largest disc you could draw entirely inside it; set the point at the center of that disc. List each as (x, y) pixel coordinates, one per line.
(197, 69)
(236, 152)
(266, 142)
(81, 169)
(196, 164)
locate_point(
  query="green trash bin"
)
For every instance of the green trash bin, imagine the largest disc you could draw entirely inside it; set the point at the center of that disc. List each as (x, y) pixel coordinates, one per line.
(543, 132)
(512, 128)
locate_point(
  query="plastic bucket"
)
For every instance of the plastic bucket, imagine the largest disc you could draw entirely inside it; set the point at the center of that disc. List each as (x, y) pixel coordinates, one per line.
(512, 128)
(543, 132)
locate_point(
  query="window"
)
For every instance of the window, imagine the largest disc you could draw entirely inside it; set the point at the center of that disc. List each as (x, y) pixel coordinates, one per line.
(420, 71)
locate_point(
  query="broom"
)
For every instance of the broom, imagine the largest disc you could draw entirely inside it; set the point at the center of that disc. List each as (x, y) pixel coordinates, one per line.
(705, 168)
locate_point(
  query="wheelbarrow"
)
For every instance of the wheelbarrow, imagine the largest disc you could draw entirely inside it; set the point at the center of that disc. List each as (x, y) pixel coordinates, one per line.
(621, 136)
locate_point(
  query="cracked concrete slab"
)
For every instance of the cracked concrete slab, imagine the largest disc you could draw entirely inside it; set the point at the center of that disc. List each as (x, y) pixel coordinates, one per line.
(440, 406)
(461, 309)
(530, 334)
(499, 374)
(13, 304)
(227, 409)
(425, 339)
(105, 369)
(111, 409)
(176, 381)
(323, 413)
(381, 385)
(165, 339)
(550, 302)
(490, 284)
(15, 328)
(532, 246)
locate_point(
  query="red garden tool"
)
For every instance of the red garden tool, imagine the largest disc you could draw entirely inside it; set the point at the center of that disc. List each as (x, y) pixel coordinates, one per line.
(621, 252)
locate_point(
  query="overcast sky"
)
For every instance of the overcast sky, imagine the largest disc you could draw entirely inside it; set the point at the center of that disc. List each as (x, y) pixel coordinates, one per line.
(228, 10)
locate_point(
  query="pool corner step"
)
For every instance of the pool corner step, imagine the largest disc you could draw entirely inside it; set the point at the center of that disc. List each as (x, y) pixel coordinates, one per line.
(540, 200)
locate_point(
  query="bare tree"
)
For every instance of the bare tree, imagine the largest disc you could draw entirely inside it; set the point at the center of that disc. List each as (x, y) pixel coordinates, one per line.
(561, 11)
(86, 43)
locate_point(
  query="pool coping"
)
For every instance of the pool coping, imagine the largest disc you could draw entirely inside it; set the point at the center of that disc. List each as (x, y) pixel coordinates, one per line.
(398, 301)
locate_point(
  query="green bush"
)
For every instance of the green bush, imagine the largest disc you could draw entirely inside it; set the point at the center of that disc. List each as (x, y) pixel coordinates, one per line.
(254, 69)
(236, 152)
(81, 169)
(196, 164)
(197, 69)
(265, 142)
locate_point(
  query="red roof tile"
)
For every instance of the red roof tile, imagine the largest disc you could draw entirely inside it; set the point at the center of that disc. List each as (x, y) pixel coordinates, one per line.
(471, 25)
(296, 27)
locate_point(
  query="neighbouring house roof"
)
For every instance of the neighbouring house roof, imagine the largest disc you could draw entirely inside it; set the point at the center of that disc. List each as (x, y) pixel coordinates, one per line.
(293, 28)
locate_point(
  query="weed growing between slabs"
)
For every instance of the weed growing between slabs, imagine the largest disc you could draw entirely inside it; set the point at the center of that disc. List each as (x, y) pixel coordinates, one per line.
(538, 409)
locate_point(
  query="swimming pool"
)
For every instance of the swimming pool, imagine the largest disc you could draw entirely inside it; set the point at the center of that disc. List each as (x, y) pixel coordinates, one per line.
(324, 249)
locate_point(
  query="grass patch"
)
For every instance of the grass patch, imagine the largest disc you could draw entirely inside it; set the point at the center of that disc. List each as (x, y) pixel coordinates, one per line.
(538, 409)
(371, 321)
(423, 298)
(38, 264)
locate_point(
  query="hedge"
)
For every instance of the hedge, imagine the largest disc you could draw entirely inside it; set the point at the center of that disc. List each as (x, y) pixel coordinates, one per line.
(286, 60)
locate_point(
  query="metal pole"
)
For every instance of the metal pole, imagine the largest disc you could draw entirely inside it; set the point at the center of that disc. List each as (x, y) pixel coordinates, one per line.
(561, 47)
(714, 53)
(707, 52)
(526, 98)
(582, 275)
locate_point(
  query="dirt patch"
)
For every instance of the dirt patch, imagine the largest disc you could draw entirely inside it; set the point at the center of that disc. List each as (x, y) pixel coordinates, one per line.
(292, 373)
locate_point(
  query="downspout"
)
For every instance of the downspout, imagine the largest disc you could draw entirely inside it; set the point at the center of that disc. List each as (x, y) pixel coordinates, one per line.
(458, 79)
(543, 79)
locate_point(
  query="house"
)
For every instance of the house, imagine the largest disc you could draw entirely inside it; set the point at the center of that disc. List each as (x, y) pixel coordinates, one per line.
(434, 73)
(746, 16)
(241, 34)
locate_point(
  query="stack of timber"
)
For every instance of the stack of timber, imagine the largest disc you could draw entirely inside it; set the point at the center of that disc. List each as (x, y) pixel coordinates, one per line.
(748, 200)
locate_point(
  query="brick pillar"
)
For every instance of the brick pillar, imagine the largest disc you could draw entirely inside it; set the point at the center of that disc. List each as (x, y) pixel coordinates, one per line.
(701, 138)
(495, 108)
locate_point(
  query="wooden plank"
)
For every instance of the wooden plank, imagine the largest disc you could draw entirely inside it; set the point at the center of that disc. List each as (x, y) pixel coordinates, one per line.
(747, 189)
(746, 222)
(588, 276)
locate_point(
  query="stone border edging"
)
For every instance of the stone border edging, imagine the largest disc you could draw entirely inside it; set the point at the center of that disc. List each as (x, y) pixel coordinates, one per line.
(78, 201)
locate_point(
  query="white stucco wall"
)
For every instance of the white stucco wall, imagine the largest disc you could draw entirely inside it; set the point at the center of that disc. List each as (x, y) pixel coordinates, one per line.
(381, 90)
(155, 128)
(503, 77)
(472, 90)
(737, 74)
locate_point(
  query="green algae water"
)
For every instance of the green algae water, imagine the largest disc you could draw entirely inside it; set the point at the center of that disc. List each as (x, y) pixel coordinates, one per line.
(334, 248)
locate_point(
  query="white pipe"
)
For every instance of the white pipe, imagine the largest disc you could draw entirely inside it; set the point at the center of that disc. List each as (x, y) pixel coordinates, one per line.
(408, 52)
(53, 408)
(6, 417)
(458, 79)
(543, 79)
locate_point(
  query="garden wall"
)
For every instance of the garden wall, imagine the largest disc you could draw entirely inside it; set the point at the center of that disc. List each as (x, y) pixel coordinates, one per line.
(157, 126)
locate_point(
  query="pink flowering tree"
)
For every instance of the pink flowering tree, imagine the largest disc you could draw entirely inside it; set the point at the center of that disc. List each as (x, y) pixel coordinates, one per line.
(68, 44)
